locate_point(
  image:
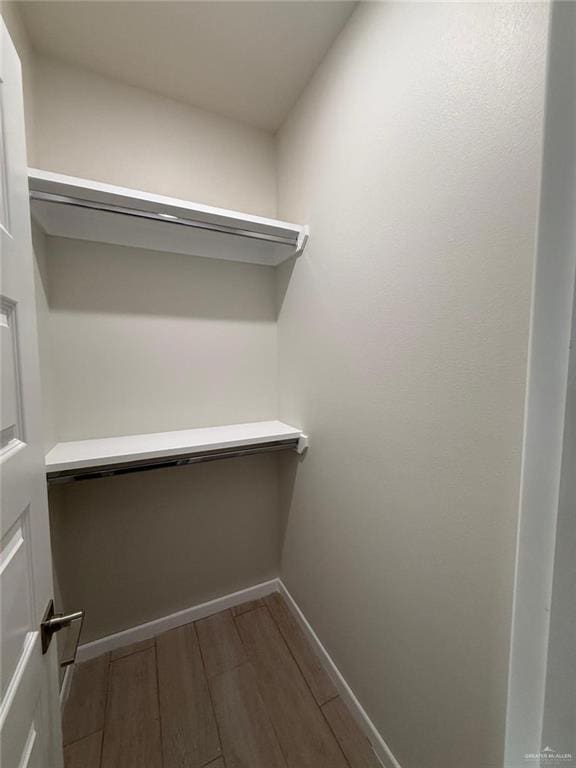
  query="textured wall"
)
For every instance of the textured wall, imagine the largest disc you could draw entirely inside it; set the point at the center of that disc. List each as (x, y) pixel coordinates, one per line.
(148, 342)
(135, 548)
(141, 342)
(135, 341)
(86, 125)
(414, 155)
(96, 128)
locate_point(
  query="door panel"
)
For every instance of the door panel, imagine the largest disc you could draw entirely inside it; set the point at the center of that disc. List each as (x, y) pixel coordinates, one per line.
(24, 726)
(4, 211)
(16, 612)
(29, 708)
(11, 418)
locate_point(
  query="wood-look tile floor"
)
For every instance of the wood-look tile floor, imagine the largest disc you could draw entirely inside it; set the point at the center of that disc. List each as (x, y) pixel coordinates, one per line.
(240, 689)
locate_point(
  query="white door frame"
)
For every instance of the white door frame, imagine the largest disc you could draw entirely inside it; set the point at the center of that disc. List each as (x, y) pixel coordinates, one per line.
(551, 322)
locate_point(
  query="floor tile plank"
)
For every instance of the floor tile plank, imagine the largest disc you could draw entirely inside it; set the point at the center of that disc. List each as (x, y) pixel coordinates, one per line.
(221, 646)
(126, 650)
(84, 709)
(258, 695)
(84, 753)
(189, 732)
(354, 744)
(238, 610)
(314, 673)
(248, 738)
(132, 728)
(304, 735)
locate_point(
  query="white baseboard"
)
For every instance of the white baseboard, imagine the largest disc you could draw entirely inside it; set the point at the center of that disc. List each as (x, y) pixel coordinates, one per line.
(66, 683)
(381, 749)
(163, 624)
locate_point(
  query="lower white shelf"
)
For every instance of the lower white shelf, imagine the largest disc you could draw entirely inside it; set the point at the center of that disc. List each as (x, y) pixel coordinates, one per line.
(118, 455)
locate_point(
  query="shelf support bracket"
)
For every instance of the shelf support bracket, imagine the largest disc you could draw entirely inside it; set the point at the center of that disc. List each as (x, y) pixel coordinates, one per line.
(303, 237)
(303, 444)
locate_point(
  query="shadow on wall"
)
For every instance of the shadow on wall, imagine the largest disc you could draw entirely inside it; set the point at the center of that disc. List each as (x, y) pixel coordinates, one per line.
(288, 466)
(283, 275)
(98, 278)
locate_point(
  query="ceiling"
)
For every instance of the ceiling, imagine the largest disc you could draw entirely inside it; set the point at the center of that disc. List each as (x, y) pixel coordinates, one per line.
(245, 60)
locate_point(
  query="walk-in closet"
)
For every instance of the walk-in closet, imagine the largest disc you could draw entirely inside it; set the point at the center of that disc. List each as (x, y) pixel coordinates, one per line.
(287, 384)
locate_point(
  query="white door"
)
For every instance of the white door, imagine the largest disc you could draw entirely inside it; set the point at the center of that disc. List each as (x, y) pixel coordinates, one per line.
(29, 708)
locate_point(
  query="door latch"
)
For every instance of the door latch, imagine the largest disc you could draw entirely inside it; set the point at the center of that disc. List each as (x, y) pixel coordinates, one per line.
(54, 622)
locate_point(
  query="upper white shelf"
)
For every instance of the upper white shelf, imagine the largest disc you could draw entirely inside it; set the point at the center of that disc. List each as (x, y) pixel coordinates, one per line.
(81, 456)
(89, 210)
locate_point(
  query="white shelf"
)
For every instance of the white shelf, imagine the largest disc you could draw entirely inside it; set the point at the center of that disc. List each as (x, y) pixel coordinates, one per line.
(88, 210)
(84, 455)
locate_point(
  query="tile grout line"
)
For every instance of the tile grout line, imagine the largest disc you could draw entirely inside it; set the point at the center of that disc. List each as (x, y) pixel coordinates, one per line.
(258, 685)
(287, 644)
(208, 679)
(318, 706)
(213, 762)
(75, 741)
(101, 747)
(108, 686)
(336, 739)
(249, 610)
(361, 732)
(205, 668)
(157, 699)
(337, 696)
(230, 669)
(333, 698)
(131, 653)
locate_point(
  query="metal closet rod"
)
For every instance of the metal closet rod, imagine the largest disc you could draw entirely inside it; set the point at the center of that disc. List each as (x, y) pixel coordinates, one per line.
(111, 470)
(166, 218)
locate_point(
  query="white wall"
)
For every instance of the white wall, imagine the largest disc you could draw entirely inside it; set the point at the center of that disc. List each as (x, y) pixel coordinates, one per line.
(135, 341)
(142, 341)
(96, 128)
(148, 342)
(90, 126)
(414, 155)
(134, 548)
